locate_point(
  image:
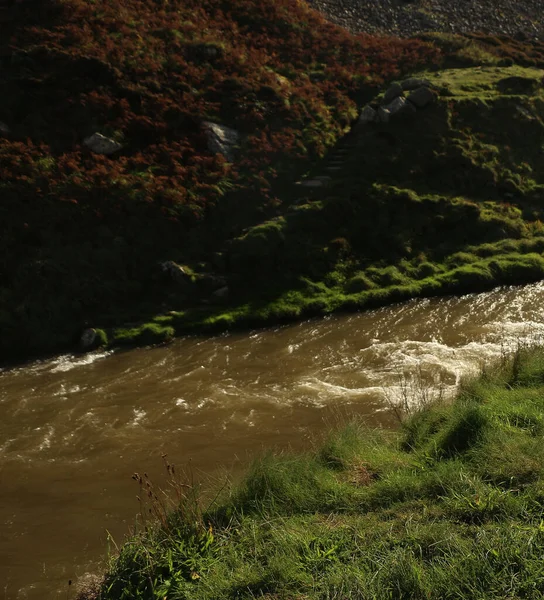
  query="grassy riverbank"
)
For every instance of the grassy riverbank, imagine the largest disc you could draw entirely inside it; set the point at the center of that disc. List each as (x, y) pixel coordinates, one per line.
(450, 506)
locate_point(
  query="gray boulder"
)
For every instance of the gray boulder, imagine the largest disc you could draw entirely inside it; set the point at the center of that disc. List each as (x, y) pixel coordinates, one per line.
(368, 115)
(414, 83)
(402, 109)
(221, 139)
(392, 92)
(88, 339)
(101, 144)
(383, 115)
(421, 97)
(312, 183)
(221, 293)
(394, 107)
(4, 128)
(175, 272)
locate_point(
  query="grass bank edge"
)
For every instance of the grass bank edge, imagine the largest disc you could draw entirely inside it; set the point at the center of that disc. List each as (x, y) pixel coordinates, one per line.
(369, 513)
(293, 305)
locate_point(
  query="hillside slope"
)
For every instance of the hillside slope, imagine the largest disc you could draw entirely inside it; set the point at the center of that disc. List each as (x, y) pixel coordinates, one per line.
(82, 233)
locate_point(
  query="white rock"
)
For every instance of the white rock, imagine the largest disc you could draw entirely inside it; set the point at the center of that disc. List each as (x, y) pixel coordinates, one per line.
(101, 144)
(4, 128)
(221, 139)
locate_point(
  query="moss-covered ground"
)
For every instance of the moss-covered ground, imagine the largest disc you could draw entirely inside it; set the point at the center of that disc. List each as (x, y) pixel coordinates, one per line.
(448, 507)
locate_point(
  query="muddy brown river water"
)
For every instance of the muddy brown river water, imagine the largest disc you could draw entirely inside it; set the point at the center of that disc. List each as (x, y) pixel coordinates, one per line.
(74, 429)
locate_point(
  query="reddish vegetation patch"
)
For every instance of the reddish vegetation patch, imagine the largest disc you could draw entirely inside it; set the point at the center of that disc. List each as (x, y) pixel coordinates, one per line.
(150, 72)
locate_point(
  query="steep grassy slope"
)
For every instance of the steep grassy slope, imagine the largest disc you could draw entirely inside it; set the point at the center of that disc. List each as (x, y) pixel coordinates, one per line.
(447, 200)
(81, 233)
(450, 507)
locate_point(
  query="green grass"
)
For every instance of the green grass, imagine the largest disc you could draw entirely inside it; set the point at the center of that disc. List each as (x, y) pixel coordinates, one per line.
(448, 507)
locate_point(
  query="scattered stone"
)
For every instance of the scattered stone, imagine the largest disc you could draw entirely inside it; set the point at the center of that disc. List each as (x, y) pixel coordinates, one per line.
(334, 169)
(101, 144)
(324, 178)
(394, 107)
(175, 272)
(312, 183)
(414, 83)
(408, 18)
(88, 339)
(221, 293)
(421, 97)
(383, 115)
(368, 115)
(392, 92)
(221, 139)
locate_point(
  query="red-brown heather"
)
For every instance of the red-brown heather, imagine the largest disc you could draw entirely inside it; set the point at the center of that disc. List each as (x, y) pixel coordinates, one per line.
(151, 71)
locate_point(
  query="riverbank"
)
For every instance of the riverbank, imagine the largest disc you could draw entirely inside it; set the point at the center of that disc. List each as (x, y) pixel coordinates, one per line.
(87, 423)
(449, 506)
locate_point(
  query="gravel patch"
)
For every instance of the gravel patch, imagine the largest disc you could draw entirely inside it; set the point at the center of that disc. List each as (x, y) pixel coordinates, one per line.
(522, 19)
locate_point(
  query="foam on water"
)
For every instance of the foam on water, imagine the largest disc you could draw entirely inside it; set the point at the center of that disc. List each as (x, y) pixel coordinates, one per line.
(67, 362)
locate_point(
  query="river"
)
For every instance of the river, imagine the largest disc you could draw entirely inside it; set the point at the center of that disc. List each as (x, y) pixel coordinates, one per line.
(75, 428)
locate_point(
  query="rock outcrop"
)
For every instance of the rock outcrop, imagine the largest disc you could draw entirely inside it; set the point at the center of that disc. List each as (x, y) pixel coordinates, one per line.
(101, 144)
(176, 273)
(395, 102)
(88, 339)
(221, 139)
